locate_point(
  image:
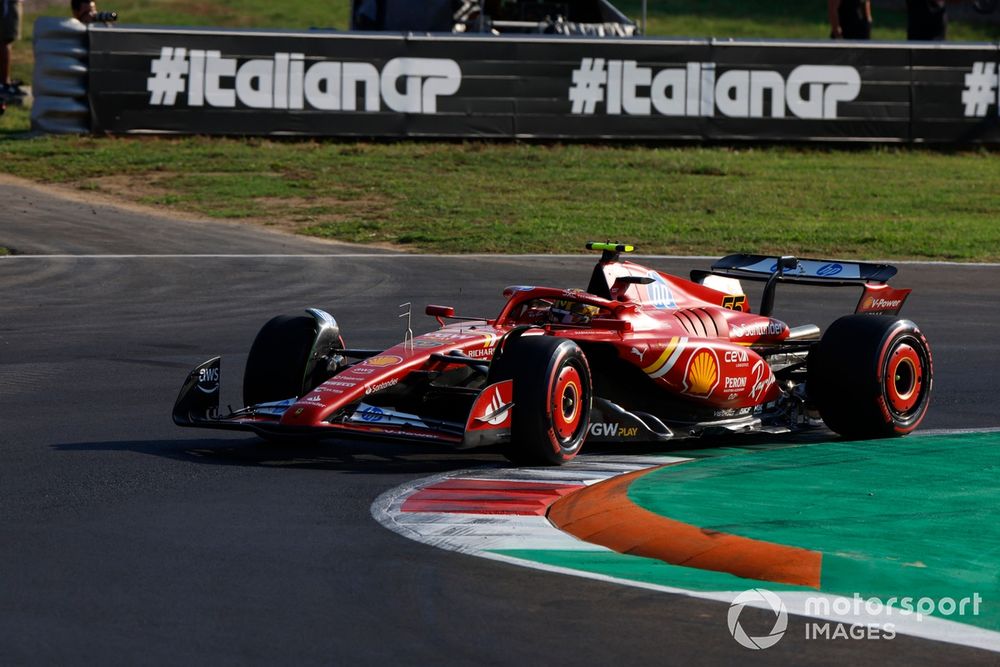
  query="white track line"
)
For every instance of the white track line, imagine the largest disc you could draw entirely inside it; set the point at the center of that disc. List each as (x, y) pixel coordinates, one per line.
(956, 431)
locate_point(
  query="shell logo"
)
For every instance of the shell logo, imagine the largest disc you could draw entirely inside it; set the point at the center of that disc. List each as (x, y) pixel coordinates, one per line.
(702, 374)
(384, 360)
(869, 302)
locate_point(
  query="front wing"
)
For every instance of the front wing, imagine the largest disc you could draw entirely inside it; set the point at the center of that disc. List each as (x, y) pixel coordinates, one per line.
(488, 422)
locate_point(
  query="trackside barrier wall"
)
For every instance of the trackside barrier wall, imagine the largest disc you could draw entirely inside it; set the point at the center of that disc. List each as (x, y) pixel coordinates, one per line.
(322, 83)
(60, 78)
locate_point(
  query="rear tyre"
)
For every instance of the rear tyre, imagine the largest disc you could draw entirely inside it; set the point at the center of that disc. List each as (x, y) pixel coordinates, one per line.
(870, 376)
(552, 397)
(279, 356)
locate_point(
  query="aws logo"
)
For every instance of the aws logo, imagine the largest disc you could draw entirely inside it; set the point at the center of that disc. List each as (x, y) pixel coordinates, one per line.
(702, 374)
(208, 380)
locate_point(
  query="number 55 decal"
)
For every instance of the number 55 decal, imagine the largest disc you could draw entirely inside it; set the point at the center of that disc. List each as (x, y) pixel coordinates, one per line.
(735, 302)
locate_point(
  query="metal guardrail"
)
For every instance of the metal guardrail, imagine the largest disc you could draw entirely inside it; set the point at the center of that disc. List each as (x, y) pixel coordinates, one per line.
(60, 77)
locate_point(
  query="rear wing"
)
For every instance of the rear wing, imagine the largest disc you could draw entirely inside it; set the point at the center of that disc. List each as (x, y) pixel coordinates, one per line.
(803, 271)
(877, 297)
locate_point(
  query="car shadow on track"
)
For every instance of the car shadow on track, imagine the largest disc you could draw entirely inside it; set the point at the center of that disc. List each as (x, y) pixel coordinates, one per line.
(404, 457)
(370, 457)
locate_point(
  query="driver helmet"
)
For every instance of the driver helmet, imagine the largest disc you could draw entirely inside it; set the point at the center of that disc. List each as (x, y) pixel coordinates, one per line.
(567, 311)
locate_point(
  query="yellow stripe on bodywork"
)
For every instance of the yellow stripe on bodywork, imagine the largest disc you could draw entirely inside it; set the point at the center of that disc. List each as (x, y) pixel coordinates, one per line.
(666, 360)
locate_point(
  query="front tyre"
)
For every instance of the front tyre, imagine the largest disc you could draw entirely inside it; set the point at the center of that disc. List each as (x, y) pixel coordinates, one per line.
(281, 362)
(870, 376)
(552, 398)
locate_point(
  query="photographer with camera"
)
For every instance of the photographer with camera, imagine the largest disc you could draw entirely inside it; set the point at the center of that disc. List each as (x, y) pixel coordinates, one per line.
(85, 11)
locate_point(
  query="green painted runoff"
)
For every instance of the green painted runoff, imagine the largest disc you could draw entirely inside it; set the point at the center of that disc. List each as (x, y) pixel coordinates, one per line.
(917, 517)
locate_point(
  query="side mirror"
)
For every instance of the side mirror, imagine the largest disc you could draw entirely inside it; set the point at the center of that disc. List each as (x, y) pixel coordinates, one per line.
(622, 283)
(440, 312)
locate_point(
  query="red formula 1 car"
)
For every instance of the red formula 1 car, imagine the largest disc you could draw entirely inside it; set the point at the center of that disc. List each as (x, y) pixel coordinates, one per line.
(639, 356)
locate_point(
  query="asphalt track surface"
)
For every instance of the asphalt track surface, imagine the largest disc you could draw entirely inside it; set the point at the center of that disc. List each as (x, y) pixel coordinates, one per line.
(126, 540)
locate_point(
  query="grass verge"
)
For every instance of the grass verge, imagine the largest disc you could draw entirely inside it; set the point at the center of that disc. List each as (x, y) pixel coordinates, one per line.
(483, 197)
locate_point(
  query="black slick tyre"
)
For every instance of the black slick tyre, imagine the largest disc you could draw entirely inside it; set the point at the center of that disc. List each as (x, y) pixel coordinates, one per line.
(276, 365)
(552, 398)
(870, 376)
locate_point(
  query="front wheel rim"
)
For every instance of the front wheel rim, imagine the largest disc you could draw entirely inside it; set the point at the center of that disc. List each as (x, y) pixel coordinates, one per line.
(567, 403)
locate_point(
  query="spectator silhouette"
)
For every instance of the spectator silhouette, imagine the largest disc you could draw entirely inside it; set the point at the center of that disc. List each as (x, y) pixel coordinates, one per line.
(850, 19)
(927, 20)
(10, 32)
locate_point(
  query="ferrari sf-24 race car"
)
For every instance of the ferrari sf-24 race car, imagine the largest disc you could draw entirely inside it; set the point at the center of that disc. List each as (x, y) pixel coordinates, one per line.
(639, 356)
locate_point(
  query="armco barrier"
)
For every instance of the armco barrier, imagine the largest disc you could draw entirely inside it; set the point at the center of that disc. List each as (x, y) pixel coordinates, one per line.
(210, 81)
(60, 77)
